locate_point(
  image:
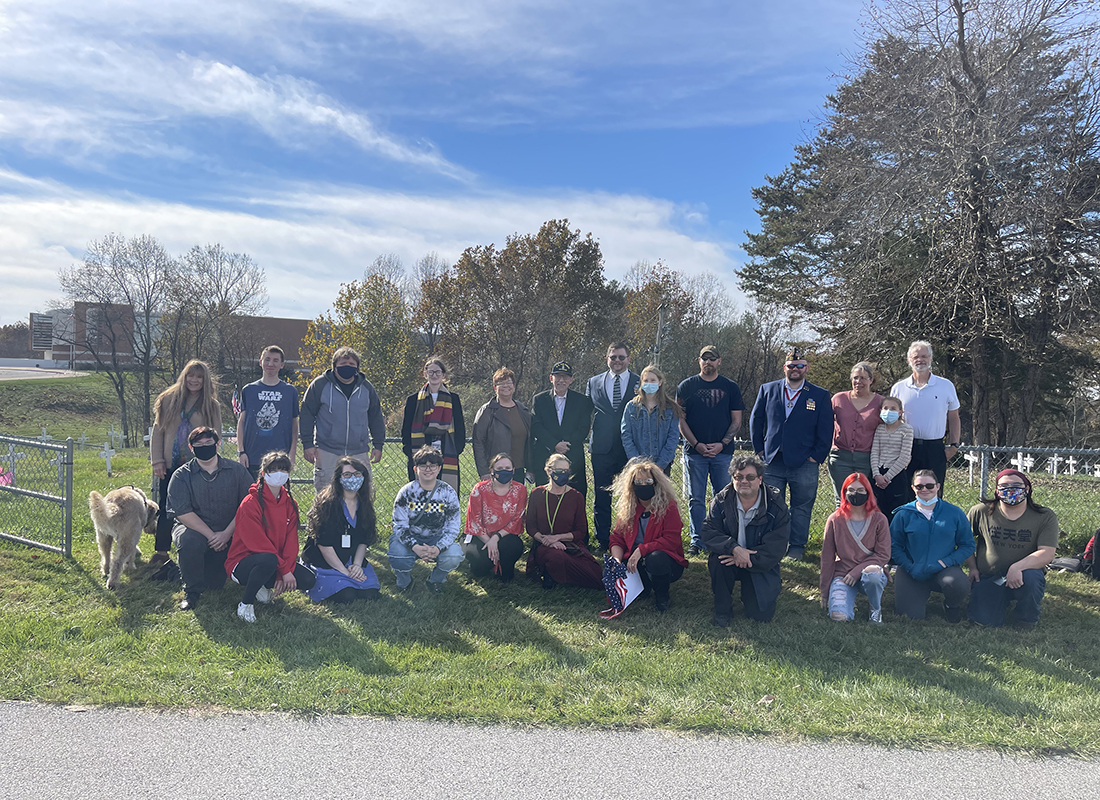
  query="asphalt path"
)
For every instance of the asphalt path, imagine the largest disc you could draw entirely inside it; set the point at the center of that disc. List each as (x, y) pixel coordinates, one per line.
(79, 752)
(27, 373)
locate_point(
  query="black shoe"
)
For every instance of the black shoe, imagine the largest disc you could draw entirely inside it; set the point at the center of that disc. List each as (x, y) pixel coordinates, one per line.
(694, 550)
(434, 588)
(190, 601)
(795, 553)
(720, 620)
(952, 614)
(662, 601)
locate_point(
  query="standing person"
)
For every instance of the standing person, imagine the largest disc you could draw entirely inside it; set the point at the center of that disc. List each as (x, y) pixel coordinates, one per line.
(269, 415)
(426, 519)
(890, 453)
(341, 416)
(203, 496)
(854, 552)
(792, 428)
(929, 540)
(1016, 539)
(560, 424)
(263, 556)
(931, 408)
(649, 531)
(651, 423)
(557, 522)
(503, 425)
(855, 418)
(342, 525)
(746, 533)
(433, 416)
(190, 403)
(712, 417)
(494, 521)
(609, 392)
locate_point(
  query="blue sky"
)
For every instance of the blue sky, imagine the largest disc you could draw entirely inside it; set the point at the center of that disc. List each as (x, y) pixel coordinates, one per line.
(318, 135)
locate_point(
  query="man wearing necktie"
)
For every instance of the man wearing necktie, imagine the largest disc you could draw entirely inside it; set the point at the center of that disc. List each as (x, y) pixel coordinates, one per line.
(610, 391)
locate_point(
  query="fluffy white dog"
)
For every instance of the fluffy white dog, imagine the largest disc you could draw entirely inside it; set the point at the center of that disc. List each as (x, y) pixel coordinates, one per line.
(119, 519)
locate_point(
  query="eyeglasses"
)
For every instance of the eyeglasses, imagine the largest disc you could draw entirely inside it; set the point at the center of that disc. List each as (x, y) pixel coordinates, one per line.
(351, 474)
(924, 486)
(433, 373)
(1011, 486)
(745, 478)
(617, 358)
(708, 358)
(429, 465)
(648, 482)
(853, 493)
(795, 366)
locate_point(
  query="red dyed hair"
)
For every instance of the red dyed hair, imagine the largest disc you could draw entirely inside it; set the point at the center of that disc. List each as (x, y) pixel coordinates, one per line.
(845, 506)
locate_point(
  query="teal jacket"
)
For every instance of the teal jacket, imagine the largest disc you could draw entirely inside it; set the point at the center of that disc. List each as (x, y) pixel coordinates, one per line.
(919, 544)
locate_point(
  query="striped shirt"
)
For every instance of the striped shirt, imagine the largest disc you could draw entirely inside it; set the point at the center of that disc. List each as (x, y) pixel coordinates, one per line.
(891, 449)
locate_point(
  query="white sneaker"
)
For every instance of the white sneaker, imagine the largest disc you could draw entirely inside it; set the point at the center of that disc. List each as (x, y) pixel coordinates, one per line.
(876, 617)
(263, 595)
(246, 612)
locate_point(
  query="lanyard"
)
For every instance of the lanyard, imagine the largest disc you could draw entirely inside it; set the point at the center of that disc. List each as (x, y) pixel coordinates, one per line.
(557, 508)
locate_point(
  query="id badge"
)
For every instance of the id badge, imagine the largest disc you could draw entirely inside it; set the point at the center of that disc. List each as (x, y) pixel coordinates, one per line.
(345, 541)
(437, 445)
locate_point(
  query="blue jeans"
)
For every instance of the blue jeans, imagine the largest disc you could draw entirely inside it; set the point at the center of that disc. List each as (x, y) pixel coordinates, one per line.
(803, 483)
(989, 600)
(699, 468)
(842, 597)
(402, 559)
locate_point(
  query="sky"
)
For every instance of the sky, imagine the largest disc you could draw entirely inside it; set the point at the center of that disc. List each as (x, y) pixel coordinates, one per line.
(317, 135)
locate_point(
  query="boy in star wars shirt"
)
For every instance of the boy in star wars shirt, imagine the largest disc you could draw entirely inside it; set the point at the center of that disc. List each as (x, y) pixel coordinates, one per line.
(426, 519)
(269, 415)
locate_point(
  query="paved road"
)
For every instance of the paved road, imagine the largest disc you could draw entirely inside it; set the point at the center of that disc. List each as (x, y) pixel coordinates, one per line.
(53, 752)
(26, 373)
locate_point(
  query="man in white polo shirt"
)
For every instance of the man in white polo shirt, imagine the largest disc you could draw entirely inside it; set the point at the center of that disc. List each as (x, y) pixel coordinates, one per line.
(932, 408)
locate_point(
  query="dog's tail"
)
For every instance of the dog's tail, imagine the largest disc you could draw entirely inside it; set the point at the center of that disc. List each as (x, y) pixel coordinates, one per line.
(97, 506)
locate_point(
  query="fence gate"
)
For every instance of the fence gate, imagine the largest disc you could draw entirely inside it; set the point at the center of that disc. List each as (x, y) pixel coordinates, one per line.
(36, 493)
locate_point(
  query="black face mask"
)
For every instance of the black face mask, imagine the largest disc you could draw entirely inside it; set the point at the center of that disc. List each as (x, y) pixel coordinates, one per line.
(347, 371)
(857, 499)
(205, 452)
(504, 475)
(560, 478)
(645, 492)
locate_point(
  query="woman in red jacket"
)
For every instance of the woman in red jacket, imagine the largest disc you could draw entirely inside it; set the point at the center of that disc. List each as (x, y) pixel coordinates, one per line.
(648, 530)
(263, 554)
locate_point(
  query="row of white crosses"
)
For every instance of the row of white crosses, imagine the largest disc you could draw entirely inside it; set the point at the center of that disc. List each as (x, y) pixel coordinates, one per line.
(1026, 463)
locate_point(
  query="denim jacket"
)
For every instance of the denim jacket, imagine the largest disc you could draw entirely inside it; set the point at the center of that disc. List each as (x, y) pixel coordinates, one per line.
(650, 434)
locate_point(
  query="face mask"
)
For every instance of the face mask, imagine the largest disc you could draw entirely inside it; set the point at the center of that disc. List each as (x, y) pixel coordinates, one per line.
(504, 475)
(353, 483)
(561, 477)
(889, 416)
(645, 492)
(650, 388)
(1012, 497)
(276, 478)
(205, 452)
(929, 504)
(347, 371)
(857, 498)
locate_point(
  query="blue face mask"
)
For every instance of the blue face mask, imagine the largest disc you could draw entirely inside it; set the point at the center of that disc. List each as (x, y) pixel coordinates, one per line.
(504, 475)
(353, 483)
(347, 371)
(650, 388)
(560, 477)
(889, 416)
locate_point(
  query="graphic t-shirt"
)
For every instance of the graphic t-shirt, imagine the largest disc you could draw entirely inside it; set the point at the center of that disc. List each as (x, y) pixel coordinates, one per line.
(1002, 542)
(707, 406)
(268, 413)
(423, 517)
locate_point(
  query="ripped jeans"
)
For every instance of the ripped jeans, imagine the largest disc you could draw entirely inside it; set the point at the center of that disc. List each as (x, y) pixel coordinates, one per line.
(842, 597)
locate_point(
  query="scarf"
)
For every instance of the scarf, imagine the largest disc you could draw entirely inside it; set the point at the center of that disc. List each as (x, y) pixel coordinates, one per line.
(438, 415)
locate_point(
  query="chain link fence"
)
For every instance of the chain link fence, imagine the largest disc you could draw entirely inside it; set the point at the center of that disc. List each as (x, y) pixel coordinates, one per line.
(36, 493)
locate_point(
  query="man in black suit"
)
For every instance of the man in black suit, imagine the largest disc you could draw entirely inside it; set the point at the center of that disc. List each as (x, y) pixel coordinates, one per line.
(560, 424)
(610, 392)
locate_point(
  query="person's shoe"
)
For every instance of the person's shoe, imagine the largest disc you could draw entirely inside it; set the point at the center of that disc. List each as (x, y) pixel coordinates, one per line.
(190, 601)
(720, 620)
(404, 581)
(952, 614)
(662, 601)
(433, 587)
(246, 611)
(263, 595)
(876, 617)
(547, 581)
(158, 559)
(694, 550)
(795, 553)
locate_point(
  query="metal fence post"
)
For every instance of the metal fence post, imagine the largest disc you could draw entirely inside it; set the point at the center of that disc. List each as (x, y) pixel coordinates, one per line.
(69, 497)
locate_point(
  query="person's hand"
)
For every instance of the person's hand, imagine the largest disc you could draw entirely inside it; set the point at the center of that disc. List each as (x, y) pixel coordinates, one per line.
(243, 458)
(974, 576)
(1015, 577)
(742, 557)
(812, 460)
(355, 572)
(293, 457)
(632, 562)
(849, 580)
(375, 456)
(557, 545)
(421, 550)
(714, 449)
(159, 470)
(492, 549)
(289, 583)
(219, 540)
(561, 447)
(727, 560)
(950, 452)
(881, 482)
(433, 552)
(310, 454)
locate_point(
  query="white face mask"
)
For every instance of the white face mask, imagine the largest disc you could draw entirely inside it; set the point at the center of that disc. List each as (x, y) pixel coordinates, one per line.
(650, 388)
(276, 479)
(929, 503)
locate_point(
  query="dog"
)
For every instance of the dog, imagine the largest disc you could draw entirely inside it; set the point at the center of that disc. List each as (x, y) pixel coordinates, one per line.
(119, 519)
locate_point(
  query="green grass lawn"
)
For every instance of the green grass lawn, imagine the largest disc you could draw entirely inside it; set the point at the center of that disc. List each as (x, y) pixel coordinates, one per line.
(486, 652)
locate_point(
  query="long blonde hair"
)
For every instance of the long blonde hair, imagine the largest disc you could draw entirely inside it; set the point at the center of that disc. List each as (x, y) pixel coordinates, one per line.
(169, 403)
(626, 501)
(664, 399)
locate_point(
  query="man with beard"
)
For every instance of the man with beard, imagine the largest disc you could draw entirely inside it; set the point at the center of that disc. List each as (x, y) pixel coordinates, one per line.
(712, 416)
(609, 391)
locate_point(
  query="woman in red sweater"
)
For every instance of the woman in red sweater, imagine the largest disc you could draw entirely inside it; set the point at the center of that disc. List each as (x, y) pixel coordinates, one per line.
(263, 553)
(494, 521)
(648, 530)
(854, 552)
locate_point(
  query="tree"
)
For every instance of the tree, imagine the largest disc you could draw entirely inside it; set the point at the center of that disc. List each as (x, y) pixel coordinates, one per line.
(126, 284)
(953, 194)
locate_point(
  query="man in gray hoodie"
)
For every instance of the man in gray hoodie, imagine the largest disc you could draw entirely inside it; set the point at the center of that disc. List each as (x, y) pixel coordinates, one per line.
(341, 416)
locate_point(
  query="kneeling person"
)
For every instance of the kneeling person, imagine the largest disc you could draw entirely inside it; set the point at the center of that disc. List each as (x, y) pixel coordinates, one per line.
(494, 521)
(854, 552)
(746, 532)
(1016, 538)
(426, 519)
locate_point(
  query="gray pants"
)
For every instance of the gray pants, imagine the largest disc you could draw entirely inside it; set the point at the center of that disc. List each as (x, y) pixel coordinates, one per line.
(911, 595)
(326, 465)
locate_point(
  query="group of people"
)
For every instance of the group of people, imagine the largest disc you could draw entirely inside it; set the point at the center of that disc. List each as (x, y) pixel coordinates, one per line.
(239, 520)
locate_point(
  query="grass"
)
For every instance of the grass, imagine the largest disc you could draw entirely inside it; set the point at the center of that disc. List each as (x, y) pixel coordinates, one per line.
(485, 652)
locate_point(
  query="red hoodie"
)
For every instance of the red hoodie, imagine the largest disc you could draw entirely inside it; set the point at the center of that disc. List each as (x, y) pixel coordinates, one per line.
(278, 536)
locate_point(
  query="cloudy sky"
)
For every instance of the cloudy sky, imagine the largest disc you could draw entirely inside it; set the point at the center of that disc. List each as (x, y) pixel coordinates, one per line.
(316, 135)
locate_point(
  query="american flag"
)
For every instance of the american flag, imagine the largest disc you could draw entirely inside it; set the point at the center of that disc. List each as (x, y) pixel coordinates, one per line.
(614, 583)
(236, 402)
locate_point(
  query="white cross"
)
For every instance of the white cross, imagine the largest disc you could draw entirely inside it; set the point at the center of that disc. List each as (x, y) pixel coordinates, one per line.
(972, 459)
(106, 453)
(60, 463)
(1022, 462)
(1071, 465)
(1052, 464)
(45, 437)
(12, 457)
(83, 439)
(149, 436)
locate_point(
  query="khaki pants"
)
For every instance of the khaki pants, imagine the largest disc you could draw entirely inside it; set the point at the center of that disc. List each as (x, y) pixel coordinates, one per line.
(326, 465)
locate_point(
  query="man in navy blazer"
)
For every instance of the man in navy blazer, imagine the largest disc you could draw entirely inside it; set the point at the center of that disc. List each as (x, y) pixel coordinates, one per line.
(610, 392)
(560, 424)
(792, 430)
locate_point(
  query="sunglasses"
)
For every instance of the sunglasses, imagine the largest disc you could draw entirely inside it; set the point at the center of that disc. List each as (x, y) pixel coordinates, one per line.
(708, 358)
(924, 486)
(617, 358)
(795, 366)
(745, 478)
